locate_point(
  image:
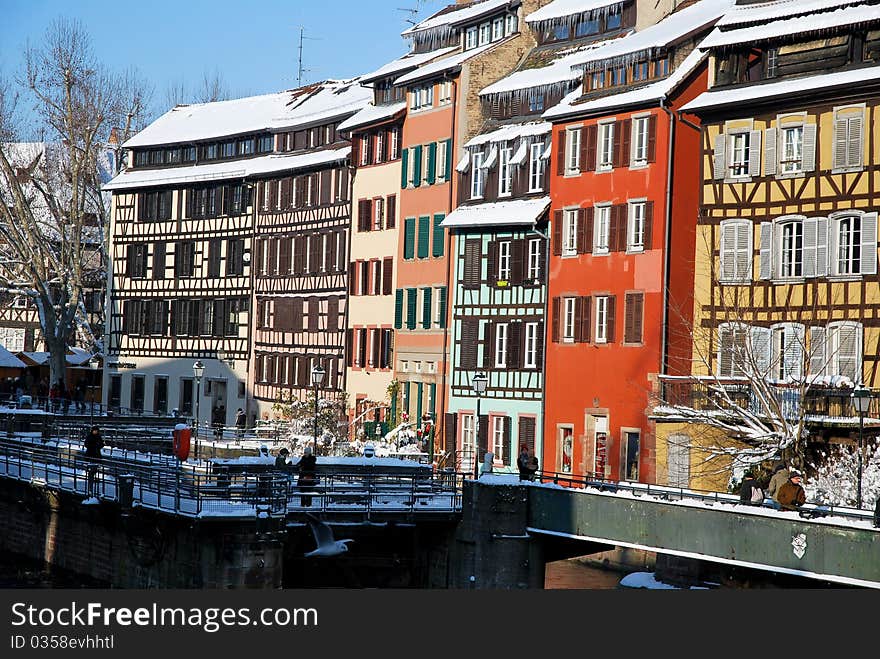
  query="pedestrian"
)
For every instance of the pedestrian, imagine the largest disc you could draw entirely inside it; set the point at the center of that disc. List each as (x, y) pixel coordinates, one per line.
(791, 495)
(54, 397)
(64, 396)
(522, 463)
(240, 423)
(79, 396)
(218, 417)
(308, 474)
(750, 492)
(93, 445)
(281, 459)
(780, 476)
(532, 465)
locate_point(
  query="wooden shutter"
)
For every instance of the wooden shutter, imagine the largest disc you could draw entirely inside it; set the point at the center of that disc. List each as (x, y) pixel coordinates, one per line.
(766, 250)
(728, 250)
(755, 153)
(770, 152)
(611, 319)
(390, 211)
(417, 166)
(808, 164)
(314, 311)
(818, 357)
(617, 145)
(483, 436)
(625, 141)
(431, 174)
(441, 304)
(557, 233)
(506, 457)
(491, 263)
(449, 427)
(472, 262)
(719, 157)
(488, 344)
(332, 314)
(592, 137)
(539, 353)
(297, 314)
(409, 238)
(869, 244)
(652, 138)
(527, 432)
(426, 307)
(555, 320)
(470, 339)
(633, 322)
(398, 308)
(649, 225)
(349, 347)
(855, 142)
(809, 247)
(424, 237)
(159, 260)
(404, 169)
(438, 236)
(448, 164)
(411, 302)
(326, 186)
(387, 273)
(517, 262)
(582, 315)
(560, 152)
(514, 345)
(580, 231)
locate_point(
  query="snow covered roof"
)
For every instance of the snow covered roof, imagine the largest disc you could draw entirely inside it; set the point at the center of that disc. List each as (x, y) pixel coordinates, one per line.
(405, 63)
(499, 213)
(512, 132)
(451, 16)
(641, 95)
(372, 114)
(778, 9)
(445, 64)
(8, 360)
(75, 357)
(796, 25)
(564, 8)
(287, 109)
(781, 89)
(236, 169)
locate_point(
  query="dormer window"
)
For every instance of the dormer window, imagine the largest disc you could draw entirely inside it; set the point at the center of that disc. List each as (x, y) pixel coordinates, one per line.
(510, 24)
(613, 20)
(618, 75)
(587, 27)
(485, 33)
(597, 80)
(640, 71)
(470, 38)
(536, 101)
(498, 28)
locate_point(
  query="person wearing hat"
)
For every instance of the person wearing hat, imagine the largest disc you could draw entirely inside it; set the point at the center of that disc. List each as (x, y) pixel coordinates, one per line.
(281, 459)
(791, 495)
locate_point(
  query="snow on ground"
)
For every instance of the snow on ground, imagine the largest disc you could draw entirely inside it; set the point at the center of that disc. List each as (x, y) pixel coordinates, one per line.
(649, 580)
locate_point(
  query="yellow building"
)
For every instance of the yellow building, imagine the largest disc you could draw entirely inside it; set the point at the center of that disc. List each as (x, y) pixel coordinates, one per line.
(786, 296)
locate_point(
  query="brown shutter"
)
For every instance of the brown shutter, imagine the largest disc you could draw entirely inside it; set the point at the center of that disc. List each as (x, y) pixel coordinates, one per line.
(517, 261)
(588, 229)
(634, 317)
(332, 314)
(581, 231)
(296, 314)
(649, 224)
(557, 233)
(314, 306)
(617, 242)
(611, 318)
(514, 347)
(616, 146)
(390, 211)
(652, 137)
(326, 186)
(557, 309)
(629, 303)
(527, 432)
(591, 139)
(387, 272)
(352, 278)
(483, 436)
(330, 250)
(539, 355)
(560, 153)
(625, 141)
(583, 309)
(470, 339)
(449, 428)
(488, 344)
(492, 260)
(349, 347)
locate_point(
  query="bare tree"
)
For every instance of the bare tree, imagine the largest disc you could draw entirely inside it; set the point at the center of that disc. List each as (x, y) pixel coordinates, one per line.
(53, 228)
(213, 88)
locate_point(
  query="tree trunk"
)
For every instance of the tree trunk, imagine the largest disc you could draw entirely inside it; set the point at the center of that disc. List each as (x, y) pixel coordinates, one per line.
(57, 360)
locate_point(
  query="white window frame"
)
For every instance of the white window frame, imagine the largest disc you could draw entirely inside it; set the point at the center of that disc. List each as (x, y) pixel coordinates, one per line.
(601, 229)
(498, 423)
(501, 336)
(833, 343)
(600, 334)
(442, 157)
(569, 319)
(635, 225)
(395, 143)
(791, 164)
(530, 346)
(569, 231)
(426, 157)
(536, 167)
(438, 309)
(445, 93)
(470, 38)
(505, 171)
(534, 267)
(639, 139)
(380, 142)
(787, 268)
(365, 142)
(504, 260)
(485, 35)
(573, 150)
(478, 176)
(837, 247)
(739, 140)
(497, 28)
(605, 147)
(378, 213)
(511, 24)
(411, 168)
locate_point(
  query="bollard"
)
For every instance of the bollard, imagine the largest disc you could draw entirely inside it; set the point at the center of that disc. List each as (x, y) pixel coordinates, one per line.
(125, 483)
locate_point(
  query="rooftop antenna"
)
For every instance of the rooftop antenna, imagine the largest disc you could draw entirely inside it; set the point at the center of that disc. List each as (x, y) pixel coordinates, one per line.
(300, 68)
(412, 12)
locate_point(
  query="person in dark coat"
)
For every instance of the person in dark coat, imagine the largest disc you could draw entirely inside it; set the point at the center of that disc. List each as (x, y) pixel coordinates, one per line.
(219, 420)
(522, 462)
(93, 445)
(791, 494)
(281, 459)
(750, 492)
(308, 474)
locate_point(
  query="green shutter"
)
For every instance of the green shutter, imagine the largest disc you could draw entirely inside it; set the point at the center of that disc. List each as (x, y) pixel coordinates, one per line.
(426, 308)
(406, 397)
(404, 164)
(417, 166)
(398, 308)
(409, 238)
(411, 295)
(424, 238)
(449, 160)
(439, 234)
(432, 390)
(441, 292)
(432, 163)
(420, 387)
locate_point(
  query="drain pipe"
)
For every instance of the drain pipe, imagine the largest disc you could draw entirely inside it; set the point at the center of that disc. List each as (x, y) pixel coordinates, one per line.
(667, 239)
(546, 286)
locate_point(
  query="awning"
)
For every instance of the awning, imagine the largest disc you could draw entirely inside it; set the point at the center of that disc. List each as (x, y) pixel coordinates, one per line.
(464, 164)
(499, 213)
(490, 159)
(520, 156)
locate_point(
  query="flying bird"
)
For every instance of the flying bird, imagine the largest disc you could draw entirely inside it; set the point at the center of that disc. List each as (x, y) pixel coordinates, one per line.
(327, 546)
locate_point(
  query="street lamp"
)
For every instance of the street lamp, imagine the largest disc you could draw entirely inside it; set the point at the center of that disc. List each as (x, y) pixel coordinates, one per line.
(861, 398)
(198, 371)
(478, 384)
(94, 364)
(317, 379)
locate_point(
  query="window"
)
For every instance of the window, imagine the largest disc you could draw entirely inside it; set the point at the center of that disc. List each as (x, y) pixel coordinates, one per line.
(733, 342)
(470, 38)
(227, 149)
(569, 319)
(618, 75)
(640, 71)
(536, 101)
(536, 167)
(264, 144)
(661, 67)
(504, 260)
(422, 97)
(791, 249)
(586, 27)
(500, 428)
(497, 28)
(477, 175)
(534, 264)
(845, 345)
(468, 439)
(485, 33)
(395, 143)
(736, 251)
(639, 154)
(597, 80)
(505, 172)
(792, 150)
(633, 317)
(445, 92)
(770, 62)
(184, 259)
(378, 213)
(788, 349)
(613, 19)
(442, 160)
(739, 154)
(606, 146)
(569, 232)
(246, 146)
(500, 345)
(854, 240)
(510, 24)
(601, 229)
(532, 341)
(602, 318)
(573, 151)
(636, 232)
(136, 263)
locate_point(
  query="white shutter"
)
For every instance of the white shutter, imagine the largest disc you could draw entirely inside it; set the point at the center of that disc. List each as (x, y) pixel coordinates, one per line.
(869, 244)
(678, 461)
(809, 248)
(854, 146)
(755, 153)
(760, 337)
(725, 351)
(766, 271)
(720, 163)
(770, 152)
(809, 148)
(817, 352)
(728, 251)
(839, 143)
(849, 351)
(793, 359)
(821, 246)
(743, 264)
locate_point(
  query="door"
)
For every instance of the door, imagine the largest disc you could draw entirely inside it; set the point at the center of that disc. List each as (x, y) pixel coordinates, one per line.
(678, 462)
(218, 401)
(600, 455)
(631, 459)
(160, 396)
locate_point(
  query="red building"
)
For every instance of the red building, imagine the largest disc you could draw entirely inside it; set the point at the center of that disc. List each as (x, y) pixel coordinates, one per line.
(624, 197)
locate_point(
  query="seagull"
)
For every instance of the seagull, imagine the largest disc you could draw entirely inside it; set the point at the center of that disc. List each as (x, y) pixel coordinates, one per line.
(327, 546)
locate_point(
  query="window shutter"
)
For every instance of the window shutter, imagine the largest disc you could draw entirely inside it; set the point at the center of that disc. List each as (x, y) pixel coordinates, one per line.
(725, 351)
(766, 271)
(404, 168)
(611, 318)
(855, 146)
(517, 261)
(483, 437)
(424, 236)
(719, 165)
(809, 247)
(362, 214)
(794, 350)
(728, 251)
(743, 247)
(539, 353)
(431, 174)
(755, 153)
(770, 152)
(590, 156)
(332, 314)
(839, 143)
(589, 214)
(761, 353)
(809, 148)
(557, 233)
(492, 263)
(818, 359)
(390, 211)
(849, 351)
(488, 344)
(387, 272)
(514, 347)
(626, 141)
(297, 315)
(506, 455)
(869, 244)
(159, 260)
(437, 246)
(411, 301)
(580, 231)
(560, 152)
(467, 351)
(557, 310)
(620, 229)
(633, 303)
(409, 238)
(349, 347)
(417, 165)
(649, 226)
(582, 314)
(449, 428)
(616, 145)
(527, 432)
(426, 307)
(398, 308)
(448, 164)
(652, 138)
(441, 303)
(314, 313)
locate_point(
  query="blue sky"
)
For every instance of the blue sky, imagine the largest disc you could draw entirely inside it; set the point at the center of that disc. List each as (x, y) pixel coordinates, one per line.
(254, 45)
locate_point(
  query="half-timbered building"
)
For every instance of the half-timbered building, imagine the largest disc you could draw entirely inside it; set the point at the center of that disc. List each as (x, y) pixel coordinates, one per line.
(623, 209)
(786, 252)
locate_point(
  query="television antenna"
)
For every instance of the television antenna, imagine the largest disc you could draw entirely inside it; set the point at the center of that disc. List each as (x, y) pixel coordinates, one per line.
(299, 68)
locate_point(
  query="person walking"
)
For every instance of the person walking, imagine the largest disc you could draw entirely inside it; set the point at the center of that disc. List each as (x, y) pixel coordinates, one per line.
(522, 462)
(93, 445)
(219, 421)
(750, 492)
(780, 476)
(308, 474)
(791, 495)
(240, 423)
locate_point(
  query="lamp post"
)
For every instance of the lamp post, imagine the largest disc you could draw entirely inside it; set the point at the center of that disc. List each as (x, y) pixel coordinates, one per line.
(94, 363)
(198, 371)
(861, 398)
(478, 384)
(317, 379)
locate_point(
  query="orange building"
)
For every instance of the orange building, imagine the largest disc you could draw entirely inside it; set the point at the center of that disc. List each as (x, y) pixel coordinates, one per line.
(623, 215)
